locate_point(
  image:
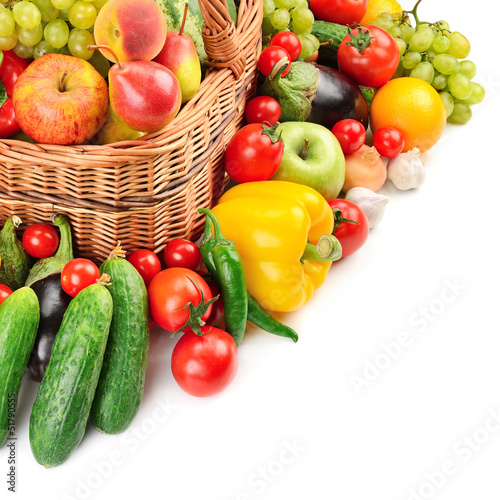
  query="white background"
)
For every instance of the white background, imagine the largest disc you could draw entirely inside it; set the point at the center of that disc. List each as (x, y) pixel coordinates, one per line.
(294, 425)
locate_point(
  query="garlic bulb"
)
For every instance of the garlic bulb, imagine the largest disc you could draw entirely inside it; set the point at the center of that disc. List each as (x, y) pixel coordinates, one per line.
(407, 170)
(372, 203)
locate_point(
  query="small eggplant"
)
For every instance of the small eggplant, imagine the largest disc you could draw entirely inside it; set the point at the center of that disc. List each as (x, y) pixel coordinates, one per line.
(315, 93)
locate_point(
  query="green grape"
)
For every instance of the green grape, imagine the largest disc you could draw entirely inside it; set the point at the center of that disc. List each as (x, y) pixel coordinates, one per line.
(440, 81)
(407, 32)
(63, 14)
(477, 95)
(313, 40)
(459, 45)
(395, 31)
(383, 22)
(446, 64)
(461, 114)
(307, 46)
(78, 41)
(443, 25)
(385, 15)
(30, 37)
(269, 7)
(42, 48)
(23, 51)
(26, 14)
(99, 4)
(401, 45)
(441, 44)
(47, 10)
(423, 26)
(300, 3)
(303, 18)
(467, 68)
(400, 71)
(56, 33)
(267, 27)
(8, 42)
(422, 40)
(280, 19)
(299, 31)
(100, 63)
(7, 23)
(82, 14)
(283, 4)
(411, 59)
(62, 4)
(424, 71)
(448, 101)
(460, 86)
(63, 50)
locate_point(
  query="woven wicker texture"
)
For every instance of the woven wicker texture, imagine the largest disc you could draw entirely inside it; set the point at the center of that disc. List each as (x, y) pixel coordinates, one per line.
(144, 192)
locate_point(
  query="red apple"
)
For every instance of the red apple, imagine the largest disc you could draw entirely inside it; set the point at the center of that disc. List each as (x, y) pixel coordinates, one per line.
(60, 99)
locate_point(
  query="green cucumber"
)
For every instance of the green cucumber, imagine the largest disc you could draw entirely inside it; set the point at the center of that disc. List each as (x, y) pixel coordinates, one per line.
(14, 260)
(19, 317)
(64, 399)
(121, 384)
(330, 35)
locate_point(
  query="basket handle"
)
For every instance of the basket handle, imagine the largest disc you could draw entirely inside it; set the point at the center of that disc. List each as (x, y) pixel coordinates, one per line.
(221, 37)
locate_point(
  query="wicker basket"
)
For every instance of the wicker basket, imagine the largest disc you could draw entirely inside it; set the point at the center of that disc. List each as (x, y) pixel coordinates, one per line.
(144, 192)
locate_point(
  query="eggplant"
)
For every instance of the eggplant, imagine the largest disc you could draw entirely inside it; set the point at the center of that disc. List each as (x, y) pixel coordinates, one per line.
(53, 302)
(315, 93)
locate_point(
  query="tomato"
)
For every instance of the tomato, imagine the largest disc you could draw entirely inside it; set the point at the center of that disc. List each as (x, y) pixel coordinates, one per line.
(216, 317)
(263, 109)
(350, 133)
(182, 253)
(254, 153)
(40, 240)
(270, 56)
(343, 12)
(289, 41)
(374, 58)
(204, 365)
(78, 274)
(146, 262)
(389, 141)
(5, 291)
(173, 289)
(351, 236)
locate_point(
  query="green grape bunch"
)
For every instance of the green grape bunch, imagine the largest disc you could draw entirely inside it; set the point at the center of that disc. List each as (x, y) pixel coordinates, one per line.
(436, 54)
(293, 15)
(32, 28)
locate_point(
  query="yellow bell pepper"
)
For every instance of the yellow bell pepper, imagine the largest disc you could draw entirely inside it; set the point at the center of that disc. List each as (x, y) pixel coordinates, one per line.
(271, 223)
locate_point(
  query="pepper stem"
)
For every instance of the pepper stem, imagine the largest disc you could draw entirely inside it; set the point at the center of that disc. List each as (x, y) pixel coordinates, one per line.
(217, 230)
(328, 249)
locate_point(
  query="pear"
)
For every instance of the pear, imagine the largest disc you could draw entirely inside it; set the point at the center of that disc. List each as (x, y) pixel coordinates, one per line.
(179, 56)
(114, 130)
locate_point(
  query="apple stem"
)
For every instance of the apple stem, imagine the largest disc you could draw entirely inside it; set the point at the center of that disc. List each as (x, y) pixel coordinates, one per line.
(94, 47)
(304, 151)
(62, 86)
(181, 29)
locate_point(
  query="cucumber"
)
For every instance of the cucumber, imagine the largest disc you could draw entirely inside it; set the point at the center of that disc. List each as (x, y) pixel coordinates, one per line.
(330, 35)
(121, 384)
(14, 260)
(19, 317)
(64, 399)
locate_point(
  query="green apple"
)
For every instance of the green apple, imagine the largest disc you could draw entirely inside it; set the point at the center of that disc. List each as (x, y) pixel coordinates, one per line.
(313, 157)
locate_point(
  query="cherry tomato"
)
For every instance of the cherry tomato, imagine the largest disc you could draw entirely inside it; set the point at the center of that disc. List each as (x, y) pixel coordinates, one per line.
(5, 291)
(289, 41)
(173, 289)
(263, 109)
(216, 317)
(254, 153)
(182, 253)
(40, 240)
(272, 55)
(204, 365)
(146, 262)
(374, 61)
(351, 236)
(77, 274)
(350, 133)
(389, 141)
(343, 12)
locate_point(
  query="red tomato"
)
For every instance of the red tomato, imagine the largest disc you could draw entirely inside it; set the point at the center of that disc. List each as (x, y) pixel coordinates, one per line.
(254, 153)
(344, 12)
(5, 291)
(173, 289)
(217, 315)
(272, 55)
(204, 365)
(351, 236)
(374, 59)
(78, 274)
(182, 253)
(146, 262)
(388, 141)
(289, 41)
(263, 109)
(40, 240)
(350, 133)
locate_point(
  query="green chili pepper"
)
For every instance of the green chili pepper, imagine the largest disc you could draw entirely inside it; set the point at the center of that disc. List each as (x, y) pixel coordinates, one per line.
(256, 314)
(231, 276)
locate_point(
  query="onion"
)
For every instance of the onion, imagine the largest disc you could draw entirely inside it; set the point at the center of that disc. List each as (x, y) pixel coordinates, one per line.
(364, 168)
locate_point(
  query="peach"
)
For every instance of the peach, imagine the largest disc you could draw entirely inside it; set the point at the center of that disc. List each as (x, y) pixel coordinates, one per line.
(135, 30)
